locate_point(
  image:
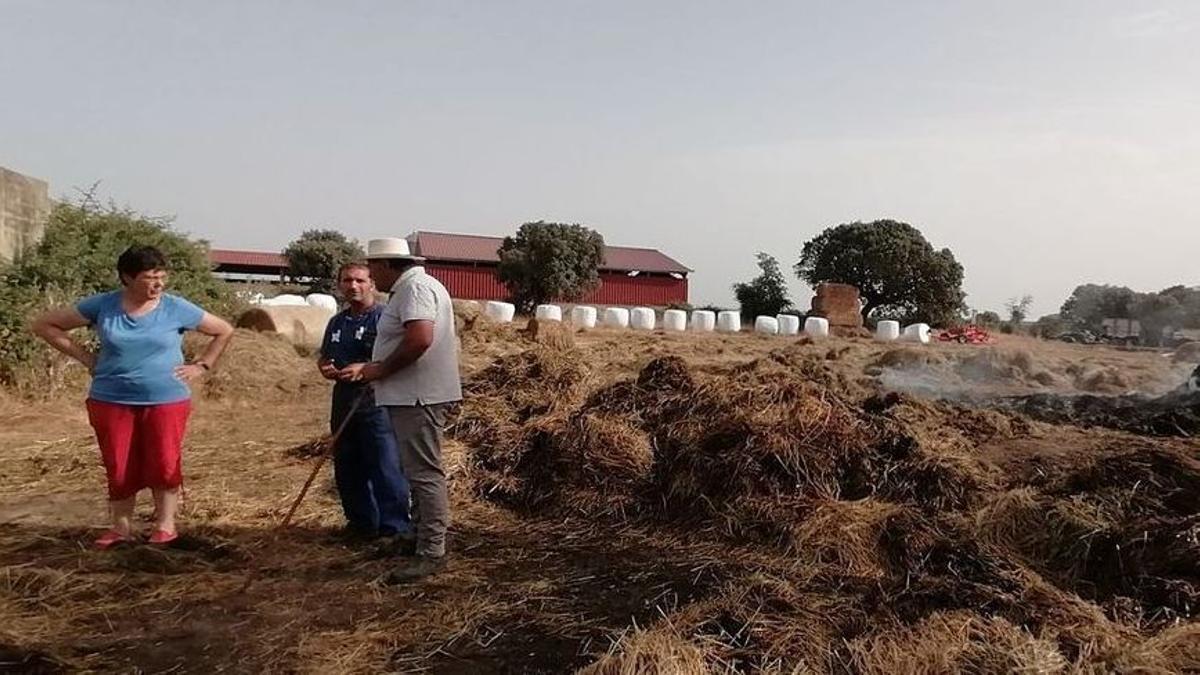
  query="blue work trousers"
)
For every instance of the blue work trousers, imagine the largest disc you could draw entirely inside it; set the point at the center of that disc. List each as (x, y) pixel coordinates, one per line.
(366, 467)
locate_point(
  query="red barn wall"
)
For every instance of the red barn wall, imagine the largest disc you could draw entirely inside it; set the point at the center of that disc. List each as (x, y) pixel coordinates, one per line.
(468, 282)
(478, 282)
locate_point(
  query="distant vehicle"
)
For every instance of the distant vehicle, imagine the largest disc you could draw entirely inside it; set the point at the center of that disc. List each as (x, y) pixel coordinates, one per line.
(1175, 337)
(1081, 337)
(1087, 337)
(1121, 331)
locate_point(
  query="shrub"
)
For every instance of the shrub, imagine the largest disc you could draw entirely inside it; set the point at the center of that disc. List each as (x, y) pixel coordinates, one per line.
(76, 258)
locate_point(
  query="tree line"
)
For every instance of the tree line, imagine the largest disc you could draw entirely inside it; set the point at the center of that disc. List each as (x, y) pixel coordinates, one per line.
(1159, 313)
(899, 274)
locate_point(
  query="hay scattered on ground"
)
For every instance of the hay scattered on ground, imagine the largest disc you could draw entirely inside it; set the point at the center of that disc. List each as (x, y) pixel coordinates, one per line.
(257, 368)
(639, 502)
(887, 500)
(658, 652)
(553, 334)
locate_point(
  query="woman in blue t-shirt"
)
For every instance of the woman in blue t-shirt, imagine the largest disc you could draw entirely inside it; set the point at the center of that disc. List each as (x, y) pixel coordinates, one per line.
(139, 400)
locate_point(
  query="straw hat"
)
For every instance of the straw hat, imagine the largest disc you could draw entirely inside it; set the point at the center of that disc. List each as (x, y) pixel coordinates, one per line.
(390, 248)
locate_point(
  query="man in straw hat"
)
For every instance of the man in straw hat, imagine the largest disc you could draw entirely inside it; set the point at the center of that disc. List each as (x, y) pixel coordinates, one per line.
(414, 369)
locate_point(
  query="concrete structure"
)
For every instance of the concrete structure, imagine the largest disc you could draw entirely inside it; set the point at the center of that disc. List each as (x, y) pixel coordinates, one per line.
(24, 209)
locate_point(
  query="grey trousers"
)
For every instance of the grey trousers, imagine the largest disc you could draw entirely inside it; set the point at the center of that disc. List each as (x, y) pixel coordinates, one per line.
(418, 432)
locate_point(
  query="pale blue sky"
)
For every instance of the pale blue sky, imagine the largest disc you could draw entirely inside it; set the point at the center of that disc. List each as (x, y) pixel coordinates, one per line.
(1047, 143)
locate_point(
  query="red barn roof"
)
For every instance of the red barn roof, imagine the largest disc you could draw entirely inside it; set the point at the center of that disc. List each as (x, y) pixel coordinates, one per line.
(481, 248)
(224, 256)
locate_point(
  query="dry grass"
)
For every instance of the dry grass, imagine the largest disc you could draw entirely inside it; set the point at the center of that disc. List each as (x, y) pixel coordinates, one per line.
(635, 503)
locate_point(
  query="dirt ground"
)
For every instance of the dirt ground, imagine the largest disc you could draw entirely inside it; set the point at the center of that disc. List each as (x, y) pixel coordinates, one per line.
(669, 504)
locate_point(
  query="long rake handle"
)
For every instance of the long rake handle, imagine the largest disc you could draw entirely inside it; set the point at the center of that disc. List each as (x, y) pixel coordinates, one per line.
(321, 460)
(254, 570)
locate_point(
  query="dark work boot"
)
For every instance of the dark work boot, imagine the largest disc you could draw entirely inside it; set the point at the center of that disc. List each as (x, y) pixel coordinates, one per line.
(402, 545)
(416, 569)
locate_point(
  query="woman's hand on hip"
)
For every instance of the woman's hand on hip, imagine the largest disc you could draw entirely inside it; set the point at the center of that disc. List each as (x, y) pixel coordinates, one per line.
(189, 372)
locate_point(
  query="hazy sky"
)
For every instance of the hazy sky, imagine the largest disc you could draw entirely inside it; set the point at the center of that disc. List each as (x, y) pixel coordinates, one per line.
(1046, 143)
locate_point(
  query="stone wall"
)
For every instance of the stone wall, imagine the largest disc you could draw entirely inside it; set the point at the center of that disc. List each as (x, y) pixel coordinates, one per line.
(24, 208)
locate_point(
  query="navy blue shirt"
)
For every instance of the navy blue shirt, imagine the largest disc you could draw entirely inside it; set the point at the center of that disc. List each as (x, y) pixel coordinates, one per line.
(349, 338)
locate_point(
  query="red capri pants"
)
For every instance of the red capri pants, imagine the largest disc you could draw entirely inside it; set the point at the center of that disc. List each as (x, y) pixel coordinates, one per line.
(141, 444)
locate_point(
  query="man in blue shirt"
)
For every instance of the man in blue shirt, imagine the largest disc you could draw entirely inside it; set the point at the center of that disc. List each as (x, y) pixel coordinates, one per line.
(366, 462)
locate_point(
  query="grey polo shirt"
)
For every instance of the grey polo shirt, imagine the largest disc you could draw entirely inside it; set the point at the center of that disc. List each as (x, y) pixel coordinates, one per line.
(433, 378)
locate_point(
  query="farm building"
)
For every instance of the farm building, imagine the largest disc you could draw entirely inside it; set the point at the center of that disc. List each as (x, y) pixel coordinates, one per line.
(248, 266)
(466, 264)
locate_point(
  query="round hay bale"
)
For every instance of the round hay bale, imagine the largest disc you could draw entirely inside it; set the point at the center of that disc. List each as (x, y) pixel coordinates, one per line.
(286, 300)
(1186, 352)
(322, 300)
(304, 326)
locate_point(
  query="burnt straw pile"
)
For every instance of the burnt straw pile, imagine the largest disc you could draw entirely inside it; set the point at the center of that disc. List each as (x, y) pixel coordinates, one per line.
(870, 535)
(1174, 414)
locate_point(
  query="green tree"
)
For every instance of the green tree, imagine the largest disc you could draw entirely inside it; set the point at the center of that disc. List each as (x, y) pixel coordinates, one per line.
(550, 261)
(77, 257)
(1157, 313)
(1090, 304)
(1188, 300)
(1018, 309)
(1049, 326)
(896, 270)
(766, 294)
(316, 256)
(987, 319)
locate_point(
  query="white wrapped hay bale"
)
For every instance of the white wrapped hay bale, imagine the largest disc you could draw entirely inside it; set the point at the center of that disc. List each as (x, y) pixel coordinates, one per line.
(766, 325)
(322, 300)
(642, 318)
(500, 312)
(816, 326)
(285, 300)
(704, 321)
(729, 322)
(789, 324)
(583, 316)
(616, 317)
(675, 320)
(918, 332)
(548, 313)
(887, 330)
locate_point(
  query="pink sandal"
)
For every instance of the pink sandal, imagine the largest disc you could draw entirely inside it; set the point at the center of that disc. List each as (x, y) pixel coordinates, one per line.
(110, 539)
(162, 537)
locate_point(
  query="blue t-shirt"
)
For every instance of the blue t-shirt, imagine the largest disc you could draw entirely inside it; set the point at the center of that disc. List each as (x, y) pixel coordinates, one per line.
(138, 356)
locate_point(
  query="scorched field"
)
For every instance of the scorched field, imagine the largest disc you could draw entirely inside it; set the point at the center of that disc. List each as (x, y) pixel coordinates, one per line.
(650, 503)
